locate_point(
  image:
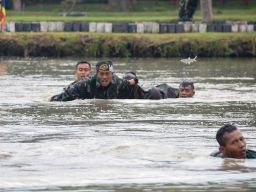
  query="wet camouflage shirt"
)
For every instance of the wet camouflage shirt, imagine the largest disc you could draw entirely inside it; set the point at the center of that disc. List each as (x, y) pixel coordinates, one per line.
(167, 91)
(250, 154)
(91, 88)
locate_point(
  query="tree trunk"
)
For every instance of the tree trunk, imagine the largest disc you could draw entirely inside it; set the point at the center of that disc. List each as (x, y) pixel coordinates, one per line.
(112, 3)
(17, 5)
(206, 10)
(126, 4)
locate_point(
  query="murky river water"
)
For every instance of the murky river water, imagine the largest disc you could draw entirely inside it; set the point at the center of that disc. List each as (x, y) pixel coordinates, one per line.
(125, 145)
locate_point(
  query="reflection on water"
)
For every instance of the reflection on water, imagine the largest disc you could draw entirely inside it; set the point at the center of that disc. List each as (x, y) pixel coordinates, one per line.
(125, 145)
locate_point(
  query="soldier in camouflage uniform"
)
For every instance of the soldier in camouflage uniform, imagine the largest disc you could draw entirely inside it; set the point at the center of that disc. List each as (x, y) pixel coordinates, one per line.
(83, 70)
(152, 93)
(232, 144)
(164, 91)
(187, 9)
(103, 85)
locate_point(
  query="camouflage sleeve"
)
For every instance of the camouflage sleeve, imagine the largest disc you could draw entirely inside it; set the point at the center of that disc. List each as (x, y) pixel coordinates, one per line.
(73, 91)
(127, 91)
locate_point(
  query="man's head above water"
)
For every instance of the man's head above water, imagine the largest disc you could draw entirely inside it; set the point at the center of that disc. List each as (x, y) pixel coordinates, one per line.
(231, 142)
(186, 89)
(104, 72)
(83, 69)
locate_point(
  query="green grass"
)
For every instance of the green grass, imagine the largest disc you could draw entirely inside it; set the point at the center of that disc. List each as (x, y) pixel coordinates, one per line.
(235, 15)
(143, 11)
(162, 37)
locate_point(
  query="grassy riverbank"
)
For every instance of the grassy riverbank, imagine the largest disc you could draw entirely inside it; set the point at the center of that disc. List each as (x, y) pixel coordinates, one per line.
(142, 11)
(128, 45)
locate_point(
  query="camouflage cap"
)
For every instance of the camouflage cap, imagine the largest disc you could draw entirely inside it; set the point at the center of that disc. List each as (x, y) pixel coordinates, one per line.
(104, 66)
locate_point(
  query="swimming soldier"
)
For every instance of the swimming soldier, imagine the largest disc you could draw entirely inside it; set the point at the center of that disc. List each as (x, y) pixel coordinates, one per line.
(103, 85)
(232, 144)
(83, 70)
(164, 91)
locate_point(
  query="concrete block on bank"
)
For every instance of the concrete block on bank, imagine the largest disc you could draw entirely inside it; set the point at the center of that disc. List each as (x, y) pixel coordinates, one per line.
(187, 27)
(120, 27)
(68, 26)
(195, 27)
(85, 26)
(179, 28)
(27, 27)
(227, 28)
(252, 23)
(18, 27)
(202, 28)
(108, 27)
(59, 26)
(76, 26)
(218, 27)
(132, 28)
(210, 28)
(234, 28)
(35, 27)
(171, 27)
(10, 26)
(43, 26)
(92, 27)
(100, 28)
(242, 28)
(140, 28)
(151, 27)
(250, 28)
(52, 27)
(163, 28)
(155, 28)
(147, 27)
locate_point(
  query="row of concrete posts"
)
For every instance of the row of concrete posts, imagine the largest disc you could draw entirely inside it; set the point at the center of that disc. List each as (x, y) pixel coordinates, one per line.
(123, 27)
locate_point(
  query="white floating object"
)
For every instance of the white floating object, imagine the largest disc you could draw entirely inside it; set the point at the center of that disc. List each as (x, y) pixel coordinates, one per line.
(188, 61)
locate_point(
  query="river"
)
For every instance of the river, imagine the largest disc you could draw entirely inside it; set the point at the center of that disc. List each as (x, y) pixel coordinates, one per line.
(125, 145)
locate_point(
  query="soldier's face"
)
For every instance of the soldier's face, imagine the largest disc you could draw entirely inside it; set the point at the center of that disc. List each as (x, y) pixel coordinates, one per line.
(105, 77)
(187, 91)
(235, 145)
(83, 70)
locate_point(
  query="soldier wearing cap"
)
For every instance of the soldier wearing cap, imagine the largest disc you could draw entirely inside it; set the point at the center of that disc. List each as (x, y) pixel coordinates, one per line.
(103, 85)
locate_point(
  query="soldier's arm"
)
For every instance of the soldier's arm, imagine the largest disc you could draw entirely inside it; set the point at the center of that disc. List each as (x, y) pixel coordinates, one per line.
(73, 91)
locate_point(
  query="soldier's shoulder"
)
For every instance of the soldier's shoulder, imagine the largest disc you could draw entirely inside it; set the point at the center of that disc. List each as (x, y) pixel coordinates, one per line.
(216, 154)
(118, 80)
(250, 154)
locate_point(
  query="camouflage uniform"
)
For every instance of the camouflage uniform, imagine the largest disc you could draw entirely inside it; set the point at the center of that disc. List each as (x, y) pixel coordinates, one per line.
(167, 91)
(91, 88)
(187, 9)
(250, 154)
(162, 91)
(59, 96)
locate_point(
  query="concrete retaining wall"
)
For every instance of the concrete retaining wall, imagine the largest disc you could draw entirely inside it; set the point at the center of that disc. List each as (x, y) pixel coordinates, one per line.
(124, 27)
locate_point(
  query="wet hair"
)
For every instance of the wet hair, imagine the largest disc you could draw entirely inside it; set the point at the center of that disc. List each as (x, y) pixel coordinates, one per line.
(83, 62)
(186, 83)
(228, 128)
